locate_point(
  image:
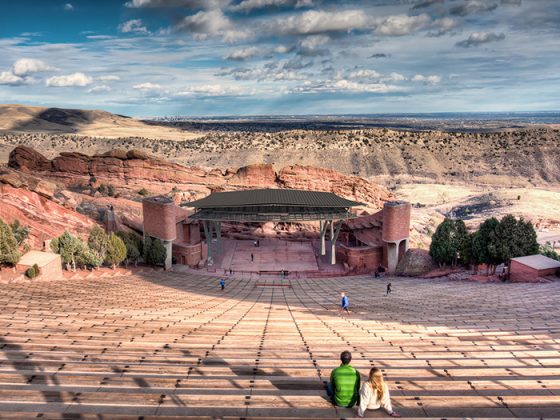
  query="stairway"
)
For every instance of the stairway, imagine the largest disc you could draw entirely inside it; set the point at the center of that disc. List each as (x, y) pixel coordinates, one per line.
(173, 345)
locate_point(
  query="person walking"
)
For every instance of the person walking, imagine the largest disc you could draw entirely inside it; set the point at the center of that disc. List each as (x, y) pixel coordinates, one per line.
(344, 302)
(252, 257)
(389, 290)
(344, 383)
(222, 284)
(374, 394)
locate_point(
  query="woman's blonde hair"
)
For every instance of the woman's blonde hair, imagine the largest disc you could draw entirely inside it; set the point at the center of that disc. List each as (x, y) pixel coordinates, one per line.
(376, 381)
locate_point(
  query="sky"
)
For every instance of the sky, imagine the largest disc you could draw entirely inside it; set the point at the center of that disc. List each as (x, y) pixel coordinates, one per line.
(284, 57)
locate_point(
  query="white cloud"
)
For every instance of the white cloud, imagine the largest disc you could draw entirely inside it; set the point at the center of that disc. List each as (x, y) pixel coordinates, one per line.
(74, 79)
(100, 89)
(317, 22)
(478, 38)
(313, 45)
(281, 49)
(399, 25)
(109, 78)
(27, 66)
(100, 37)
(133, 26)
(212, 23)
(147, 86)
(364, 74)
(212, 90)
(248, 5)
(8, 78)
(243, 53)
(429, 80)
(68, 7)
(190, 4)
(344, 85)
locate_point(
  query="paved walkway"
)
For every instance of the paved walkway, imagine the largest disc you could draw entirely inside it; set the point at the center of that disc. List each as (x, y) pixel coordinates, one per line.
(173, 345)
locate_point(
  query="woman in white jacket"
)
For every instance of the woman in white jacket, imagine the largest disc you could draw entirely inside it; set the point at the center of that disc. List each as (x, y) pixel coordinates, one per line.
(374, 394)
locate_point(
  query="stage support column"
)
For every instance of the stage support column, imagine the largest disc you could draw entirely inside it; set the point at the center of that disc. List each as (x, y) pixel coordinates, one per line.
(208, 237)
(335, 230)
(323, 225)
(219, 235)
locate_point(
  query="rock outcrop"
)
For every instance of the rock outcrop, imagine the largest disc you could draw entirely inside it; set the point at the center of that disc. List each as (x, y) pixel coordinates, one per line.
(415, 262)
(133, 170)
(37, 204)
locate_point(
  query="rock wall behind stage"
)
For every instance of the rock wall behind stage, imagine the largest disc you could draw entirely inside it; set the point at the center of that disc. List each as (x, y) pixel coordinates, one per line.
(131, 171)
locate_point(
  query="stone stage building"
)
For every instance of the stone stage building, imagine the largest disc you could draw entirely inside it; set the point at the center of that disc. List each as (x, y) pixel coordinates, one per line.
(361, 243)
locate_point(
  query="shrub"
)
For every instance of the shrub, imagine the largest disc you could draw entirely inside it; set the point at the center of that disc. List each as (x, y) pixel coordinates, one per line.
(74, 252)
(154, 251)
(144, 192)
(33, 271)
(133, 245)
(116, 251)
(9, 253)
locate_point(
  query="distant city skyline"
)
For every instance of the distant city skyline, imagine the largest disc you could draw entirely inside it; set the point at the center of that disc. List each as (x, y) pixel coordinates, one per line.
(266, 57)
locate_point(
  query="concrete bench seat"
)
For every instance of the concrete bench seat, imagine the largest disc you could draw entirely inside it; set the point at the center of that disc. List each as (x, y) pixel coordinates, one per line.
(170, 345)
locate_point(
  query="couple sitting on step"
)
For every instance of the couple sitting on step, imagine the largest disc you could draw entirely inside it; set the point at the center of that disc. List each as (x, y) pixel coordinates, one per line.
(344, 388)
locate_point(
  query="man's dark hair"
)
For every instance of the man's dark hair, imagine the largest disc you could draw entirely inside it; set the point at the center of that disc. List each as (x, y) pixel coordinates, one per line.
(345, 357)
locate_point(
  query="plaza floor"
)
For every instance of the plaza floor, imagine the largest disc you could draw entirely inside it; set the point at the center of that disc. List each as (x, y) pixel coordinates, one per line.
(174, 345)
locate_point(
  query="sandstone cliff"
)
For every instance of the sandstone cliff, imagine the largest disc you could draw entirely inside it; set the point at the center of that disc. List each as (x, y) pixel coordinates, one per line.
(129, 171)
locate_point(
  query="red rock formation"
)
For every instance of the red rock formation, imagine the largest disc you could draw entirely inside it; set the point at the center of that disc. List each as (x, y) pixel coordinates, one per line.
(134, 170)
(32, 202)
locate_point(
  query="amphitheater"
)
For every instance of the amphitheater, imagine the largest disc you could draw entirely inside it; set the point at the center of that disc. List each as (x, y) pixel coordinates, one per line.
(173, 345)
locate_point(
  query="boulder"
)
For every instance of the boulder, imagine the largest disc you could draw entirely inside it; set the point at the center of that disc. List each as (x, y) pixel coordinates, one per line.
(415, 262)
(29, 160)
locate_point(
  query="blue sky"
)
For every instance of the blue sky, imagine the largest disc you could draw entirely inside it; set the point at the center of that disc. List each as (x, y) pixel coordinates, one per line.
(230, 57)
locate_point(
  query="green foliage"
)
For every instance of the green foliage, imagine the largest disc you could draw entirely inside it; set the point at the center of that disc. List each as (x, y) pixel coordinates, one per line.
(549, 252)
(21, 233)
(485, 246)
(449, 242)
(497, 242)
(98, 242)
(74, 252)
(116, 251)
(33, 271)
(133, 245)
(144, 192)
(154, 251)
(9, 253)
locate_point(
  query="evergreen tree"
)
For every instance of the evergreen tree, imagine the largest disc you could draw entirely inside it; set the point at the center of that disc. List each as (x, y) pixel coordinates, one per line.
(9, 253)
(154, 252)
(98, 242)
(449, 242)
(116, 251)
(69, 247)
(132, 243)
(21, 233)
(486, 244)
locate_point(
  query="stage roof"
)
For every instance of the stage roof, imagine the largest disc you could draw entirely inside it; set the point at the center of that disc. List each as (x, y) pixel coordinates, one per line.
(264, 205)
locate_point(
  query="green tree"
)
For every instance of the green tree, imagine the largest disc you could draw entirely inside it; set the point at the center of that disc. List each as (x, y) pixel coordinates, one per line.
(98, 242)
(132, 243)
(527, 238)
(21, 233)
(116, 251)
(449, 242)
(69, 247)
(9, 253)
(486, 244)
(154, 251)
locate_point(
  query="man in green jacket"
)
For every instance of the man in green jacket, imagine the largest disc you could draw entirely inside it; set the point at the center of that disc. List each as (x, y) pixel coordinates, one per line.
(343, 388)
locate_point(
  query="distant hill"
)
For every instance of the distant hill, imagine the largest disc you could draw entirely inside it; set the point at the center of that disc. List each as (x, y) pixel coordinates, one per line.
(32, 119)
